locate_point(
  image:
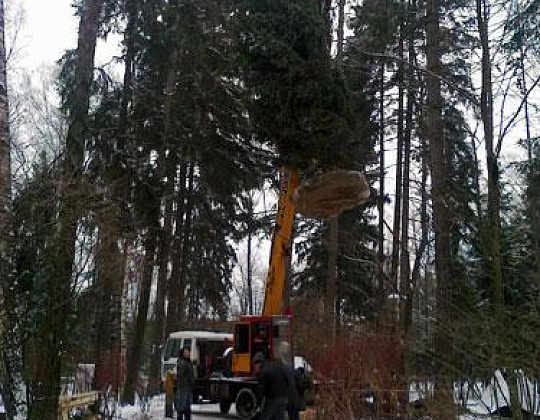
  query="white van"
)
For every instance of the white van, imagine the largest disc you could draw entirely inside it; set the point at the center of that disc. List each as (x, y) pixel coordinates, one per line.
(205, 347)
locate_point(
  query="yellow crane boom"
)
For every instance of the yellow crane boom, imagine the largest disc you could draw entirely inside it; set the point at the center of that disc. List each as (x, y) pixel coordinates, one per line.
(281, 245)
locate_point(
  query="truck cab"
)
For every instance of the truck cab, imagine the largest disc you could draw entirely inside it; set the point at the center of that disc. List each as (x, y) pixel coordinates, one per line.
(259, 334)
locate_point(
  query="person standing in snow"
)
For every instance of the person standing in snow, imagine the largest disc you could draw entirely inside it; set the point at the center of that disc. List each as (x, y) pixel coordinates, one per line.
(286, 360)
(185, 382)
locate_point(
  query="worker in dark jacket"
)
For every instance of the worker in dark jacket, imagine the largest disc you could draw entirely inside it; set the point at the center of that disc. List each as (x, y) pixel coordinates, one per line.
(185, 382)
(273, 387)
(293, 403)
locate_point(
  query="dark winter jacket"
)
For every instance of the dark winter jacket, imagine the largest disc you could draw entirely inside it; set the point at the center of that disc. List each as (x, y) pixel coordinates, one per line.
(294, 399)
(273, 381)
(185, 376)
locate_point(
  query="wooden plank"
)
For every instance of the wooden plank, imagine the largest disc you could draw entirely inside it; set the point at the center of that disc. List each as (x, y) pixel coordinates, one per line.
(77, 400)
(66, 402)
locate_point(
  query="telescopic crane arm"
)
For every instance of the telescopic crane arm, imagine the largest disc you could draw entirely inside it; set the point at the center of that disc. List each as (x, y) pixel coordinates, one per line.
(281, 245)
(323, 195)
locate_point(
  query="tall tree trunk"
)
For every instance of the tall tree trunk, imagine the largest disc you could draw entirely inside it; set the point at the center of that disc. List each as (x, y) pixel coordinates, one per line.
(178, 282)
(331, 281)
(249, 262)
(340, 32)
(439, 193)
(405, 268)
(382, 175)
(135, 348)
(174, 287)
(327, 16)
(195, 296)
(399, 161)
(532, 212)
(333, 232)
(169, 163)
(126, 145)
(186, 243)
(7, 382)
(163, 261)
(5, 163)
(54, 334)
(424, 220)
(493, 235)
(129, 41)
(476, 185)
(109, 286)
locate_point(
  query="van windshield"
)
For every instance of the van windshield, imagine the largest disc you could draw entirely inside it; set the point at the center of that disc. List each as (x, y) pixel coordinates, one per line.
(172, 348)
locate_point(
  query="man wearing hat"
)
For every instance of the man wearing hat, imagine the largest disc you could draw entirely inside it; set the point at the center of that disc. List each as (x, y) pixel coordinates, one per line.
(273, 387)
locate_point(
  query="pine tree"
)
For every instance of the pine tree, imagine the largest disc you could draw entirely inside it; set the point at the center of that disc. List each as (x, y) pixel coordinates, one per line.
(300, 104)
(188, 112)
(54, 333)
(310, 109)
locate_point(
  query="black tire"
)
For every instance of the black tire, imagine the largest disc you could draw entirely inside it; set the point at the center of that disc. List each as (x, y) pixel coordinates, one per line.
(246, 404)
(224, 407)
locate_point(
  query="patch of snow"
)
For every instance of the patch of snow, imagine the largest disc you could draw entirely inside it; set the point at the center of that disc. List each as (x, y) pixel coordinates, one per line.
(130, 412)
(301, 362)
(483, 399)
(489, 398)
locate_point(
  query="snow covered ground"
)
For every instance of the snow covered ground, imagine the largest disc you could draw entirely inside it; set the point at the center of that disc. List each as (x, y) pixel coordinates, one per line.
(156, 409)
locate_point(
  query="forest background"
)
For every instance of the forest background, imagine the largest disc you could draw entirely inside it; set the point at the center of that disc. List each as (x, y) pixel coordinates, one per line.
(130, 187)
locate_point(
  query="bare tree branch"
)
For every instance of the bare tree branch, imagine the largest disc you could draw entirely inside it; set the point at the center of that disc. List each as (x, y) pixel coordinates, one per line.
(512, 120)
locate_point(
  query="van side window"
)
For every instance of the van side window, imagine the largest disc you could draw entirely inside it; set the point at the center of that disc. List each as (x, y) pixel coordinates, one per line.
(187, 343)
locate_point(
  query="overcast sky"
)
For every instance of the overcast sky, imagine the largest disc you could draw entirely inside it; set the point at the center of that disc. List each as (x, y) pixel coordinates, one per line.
(50, 28)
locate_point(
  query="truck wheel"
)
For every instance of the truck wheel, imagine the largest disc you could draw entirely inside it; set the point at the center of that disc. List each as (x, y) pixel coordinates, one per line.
(224, 407)
(246, 403)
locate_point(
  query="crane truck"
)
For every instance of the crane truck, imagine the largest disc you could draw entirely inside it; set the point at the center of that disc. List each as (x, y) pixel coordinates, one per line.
(323, 196)
(265, 332)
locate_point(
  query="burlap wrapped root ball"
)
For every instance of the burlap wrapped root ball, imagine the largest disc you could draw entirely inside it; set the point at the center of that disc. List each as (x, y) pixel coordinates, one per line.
(331, 193)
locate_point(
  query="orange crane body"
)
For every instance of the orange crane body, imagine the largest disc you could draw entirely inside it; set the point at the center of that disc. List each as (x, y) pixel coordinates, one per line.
(263, 333)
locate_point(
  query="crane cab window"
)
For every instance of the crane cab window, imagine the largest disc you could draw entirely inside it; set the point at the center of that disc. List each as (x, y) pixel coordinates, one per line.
(261, 338)
(241, 339)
